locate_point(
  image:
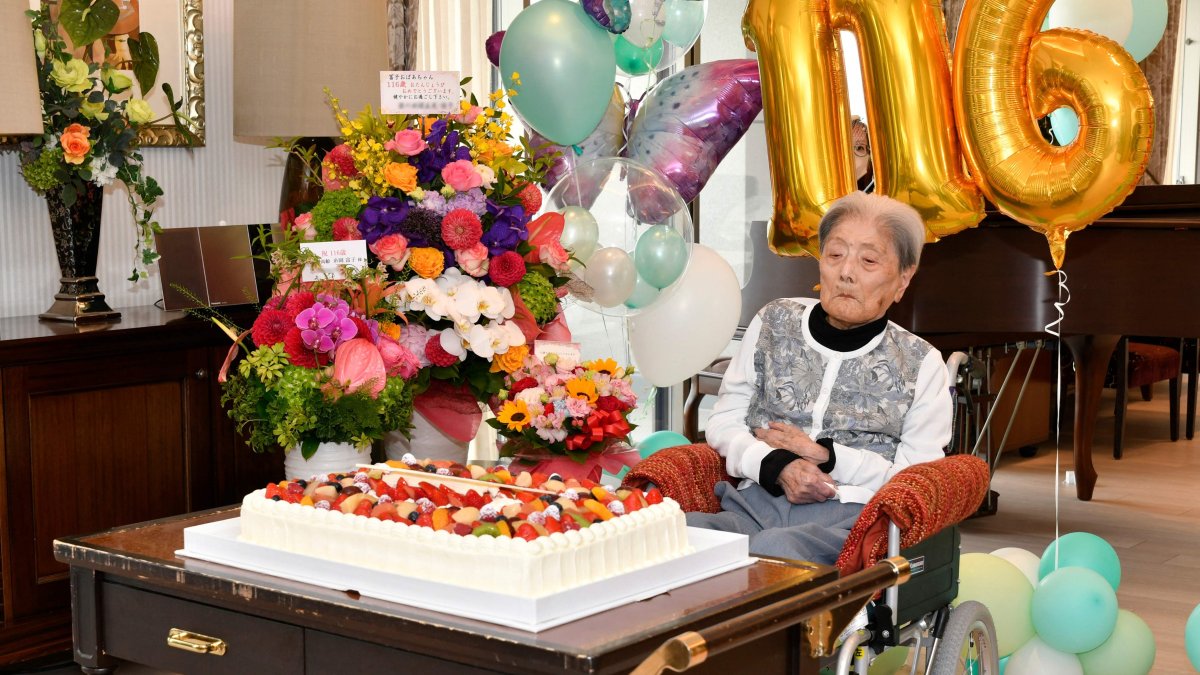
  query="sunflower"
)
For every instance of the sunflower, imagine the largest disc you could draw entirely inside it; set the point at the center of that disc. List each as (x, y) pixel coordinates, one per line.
(515, 414)
(606, 366)
(584, 389)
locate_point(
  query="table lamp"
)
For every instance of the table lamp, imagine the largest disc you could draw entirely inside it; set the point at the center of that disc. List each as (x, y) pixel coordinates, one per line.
(286, 52)
(21, 113)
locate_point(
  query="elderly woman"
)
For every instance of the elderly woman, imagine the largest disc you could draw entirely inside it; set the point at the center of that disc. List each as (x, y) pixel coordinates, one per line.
(826, 400)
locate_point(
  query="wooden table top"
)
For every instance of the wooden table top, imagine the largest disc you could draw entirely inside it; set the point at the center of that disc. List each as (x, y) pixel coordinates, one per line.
(143, 555)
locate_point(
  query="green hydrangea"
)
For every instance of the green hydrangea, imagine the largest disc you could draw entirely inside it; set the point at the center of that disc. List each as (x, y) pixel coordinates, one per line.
(334, 205)
(538, 295)
(42, 172)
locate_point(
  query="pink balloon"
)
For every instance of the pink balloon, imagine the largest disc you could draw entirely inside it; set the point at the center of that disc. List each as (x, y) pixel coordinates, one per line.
(690, 121)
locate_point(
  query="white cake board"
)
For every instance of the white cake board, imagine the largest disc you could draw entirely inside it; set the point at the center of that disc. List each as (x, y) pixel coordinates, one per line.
(714, 553)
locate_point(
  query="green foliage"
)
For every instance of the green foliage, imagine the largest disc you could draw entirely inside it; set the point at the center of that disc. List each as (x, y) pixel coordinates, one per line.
(276, 404)
(333, 205)
(144, 50)
(42, 173)
(88, 20)
(538, 295)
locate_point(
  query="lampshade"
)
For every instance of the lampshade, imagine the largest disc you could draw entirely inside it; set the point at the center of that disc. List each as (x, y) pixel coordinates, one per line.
(21, 112)
(286, 52)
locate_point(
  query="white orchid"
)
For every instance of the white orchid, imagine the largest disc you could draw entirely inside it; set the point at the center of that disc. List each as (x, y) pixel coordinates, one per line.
(492, 302)
(453, 344)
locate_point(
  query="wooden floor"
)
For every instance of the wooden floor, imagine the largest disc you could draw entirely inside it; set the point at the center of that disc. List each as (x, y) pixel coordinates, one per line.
(1147, 505)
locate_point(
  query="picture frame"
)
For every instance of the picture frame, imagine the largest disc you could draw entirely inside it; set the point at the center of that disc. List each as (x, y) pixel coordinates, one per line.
(178, 27)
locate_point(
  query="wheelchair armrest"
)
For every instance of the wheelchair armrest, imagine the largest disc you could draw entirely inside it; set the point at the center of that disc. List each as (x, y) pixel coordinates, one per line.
(686, 473)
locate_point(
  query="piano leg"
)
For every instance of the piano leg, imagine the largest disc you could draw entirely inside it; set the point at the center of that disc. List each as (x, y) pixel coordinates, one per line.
(1091, 354)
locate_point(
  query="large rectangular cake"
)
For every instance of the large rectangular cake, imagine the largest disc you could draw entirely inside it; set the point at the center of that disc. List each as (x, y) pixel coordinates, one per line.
(468, 526)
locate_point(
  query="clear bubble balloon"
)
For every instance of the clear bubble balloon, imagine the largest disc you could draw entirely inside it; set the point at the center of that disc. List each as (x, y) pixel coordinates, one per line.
(646, 23)
(684, 20)
(626, 200)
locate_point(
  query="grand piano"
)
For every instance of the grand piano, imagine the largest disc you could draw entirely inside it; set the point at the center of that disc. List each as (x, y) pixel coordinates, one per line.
(1131, 273)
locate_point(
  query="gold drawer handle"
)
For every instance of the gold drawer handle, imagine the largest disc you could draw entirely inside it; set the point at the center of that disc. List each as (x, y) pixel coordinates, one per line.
(195, 642)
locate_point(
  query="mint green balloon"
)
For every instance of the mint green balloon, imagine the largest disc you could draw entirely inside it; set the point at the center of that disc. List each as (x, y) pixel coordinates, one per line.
(1149, 23)
(1083, 549)
(1065, 123)
(1074, 610)
(661, 255)
(1191, 637)
(566, 66)
(634, 60)
(643, 295)
(659, 440)
(1130, 650)
(1003, 664)
(685, 18)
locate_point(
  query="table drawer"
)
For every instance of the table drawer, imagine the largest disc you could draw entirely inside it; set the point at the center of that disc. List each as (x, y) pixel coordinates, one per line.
(137, 623)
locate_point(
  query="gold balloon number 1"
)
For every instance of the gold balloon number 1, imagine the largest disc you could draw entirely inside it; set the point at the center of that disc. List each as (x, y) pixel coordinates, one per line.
(1005, 76)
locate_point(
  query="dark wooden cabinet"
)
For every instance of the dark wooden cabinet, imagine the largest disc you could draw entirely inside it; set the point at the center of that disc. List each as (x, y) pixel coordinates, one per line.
(103, 426)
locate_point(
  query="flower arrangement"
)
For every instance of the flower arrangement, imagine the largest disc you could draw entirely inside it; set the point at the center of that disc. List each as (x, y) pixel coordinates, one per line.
(326, 365)
(445, 205)
(90, 121)
(553, 408)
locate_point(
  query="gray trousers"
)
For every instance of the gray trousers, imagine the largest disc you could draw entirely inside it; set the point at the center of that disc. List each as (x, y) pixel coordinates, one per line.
(813, 532)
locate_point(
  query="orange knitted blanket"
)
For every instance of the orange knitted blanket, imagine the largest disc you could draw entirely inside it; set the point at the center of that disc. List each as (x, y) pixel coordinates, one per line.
(686, 473)
(922, 500)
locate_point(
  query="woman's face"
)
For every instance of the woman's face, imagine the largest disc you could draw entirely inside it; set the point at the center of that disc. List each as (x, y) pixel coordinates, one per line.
(860, 274)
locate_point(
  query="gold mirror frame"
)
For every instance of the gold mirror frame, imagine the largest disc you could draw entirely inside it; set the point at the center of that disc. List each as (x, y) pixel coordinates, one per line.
(190, 88)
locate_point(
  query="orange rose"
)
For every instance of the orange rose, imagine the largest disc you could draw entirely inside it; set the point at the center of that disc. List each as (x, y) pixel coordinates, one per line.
(510, 360)
(401, 175)
(426, 262)
(75, 143)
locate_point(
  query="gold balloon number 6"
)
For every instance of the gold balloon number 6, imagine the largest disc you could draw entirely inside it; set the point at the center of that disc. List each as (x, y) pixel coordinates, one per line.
(1006, 75)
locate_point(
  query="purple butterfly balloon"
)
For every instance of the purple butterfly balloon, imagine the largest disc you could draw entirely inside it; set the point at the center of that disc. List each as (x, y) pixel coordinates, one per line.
(687, 124)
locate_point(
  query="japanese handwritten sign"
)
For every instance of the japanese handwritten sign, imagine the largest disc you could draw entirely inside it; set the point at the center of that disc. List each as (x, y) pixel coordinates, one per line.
(418, 92)
(334, 256)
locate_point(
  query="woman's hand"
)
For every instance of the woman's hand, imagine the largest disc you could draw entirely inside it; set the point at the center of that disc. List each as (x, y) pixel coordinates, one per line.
(804, 483)
(788, 437)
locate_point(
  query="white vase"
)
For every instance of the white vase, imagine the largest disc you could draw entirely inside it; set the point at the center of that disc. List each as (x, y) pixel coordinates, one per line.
(426, 442)
(329, 458)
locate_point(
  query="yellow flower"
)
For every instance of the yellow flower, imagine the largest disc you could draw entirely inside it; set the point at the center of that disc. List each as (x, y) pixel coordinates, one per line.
(514, 414)
(401, 175)
(584, 389)
(138, 111)
(606, 366)
(93, 111)
(71, 75)
(116, 81)
(510, 360)
(426, 262)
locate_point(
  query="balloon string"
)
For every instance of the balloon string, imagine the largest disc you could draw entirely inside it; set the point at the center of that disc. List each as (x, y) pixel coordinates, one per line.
(1055, 328)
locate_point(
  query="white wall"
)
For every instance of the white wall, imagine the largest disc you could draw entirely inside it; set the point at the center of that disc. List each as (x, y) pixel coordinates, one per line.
(237, 182)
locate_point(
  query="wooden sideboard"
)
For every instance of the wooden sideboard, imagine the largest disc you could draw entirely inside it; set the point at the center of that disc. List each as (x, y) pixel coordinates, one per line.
(103, 425)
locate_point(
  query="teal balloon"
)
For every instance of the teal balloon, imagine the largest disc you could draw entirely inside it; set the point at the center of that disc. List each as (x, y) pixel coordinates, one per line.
(1074, 610)
(661, 255)
(1130, 650)
(659, 440)
(566, 66)
(1149, 24)
(634, 60)
(1191, 638)
(1065, 124)
(1083, 549)
(685, 18)
(644, 295)
(1003, 664)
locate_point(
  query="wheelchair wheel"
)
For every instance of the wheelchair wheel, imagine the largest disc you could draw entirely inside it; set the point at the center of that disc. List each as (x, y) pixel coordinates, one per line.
(968, 644)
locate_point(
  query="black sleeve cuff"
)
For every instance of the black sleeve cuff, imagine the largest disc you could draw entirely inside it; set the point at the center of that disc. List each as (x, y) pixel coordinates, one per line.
(773, 465)
(827, 465)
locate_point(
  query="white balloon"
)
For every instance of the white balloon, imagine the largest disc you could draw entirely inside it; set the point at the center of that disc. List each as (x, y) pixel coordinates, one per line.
(580, 232)
(1038, 658)
(647, 18)
(1024, 560)
(690, 324)
(1111, 18)
(611, 274)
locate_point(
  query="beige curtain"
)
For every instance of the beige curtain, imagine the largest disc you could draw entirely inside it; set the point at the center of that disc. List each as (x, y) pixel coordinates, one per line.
(452, 37)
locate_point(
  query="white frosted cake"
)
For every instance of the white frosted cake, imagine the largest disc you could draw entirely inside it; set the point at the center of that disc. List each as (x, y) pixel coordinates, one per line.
(476, 535)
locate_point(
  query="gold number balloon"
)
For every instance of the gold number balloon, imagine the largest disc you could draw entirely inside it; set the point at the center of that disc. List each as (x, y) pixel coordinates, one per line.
(905, 56)
(1007, 75)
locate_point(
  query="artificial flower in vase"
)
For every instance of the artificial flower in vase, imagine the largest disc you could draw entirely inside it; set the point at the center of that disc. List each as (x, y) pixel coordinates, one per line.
(90, 139)
(568, 419)
(323, 371)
